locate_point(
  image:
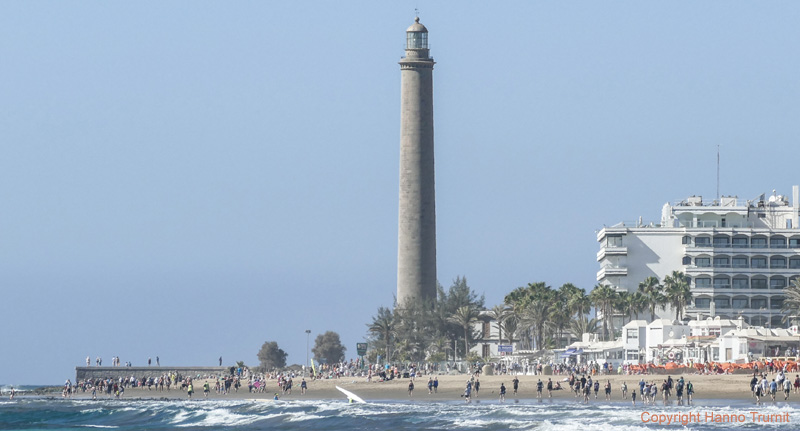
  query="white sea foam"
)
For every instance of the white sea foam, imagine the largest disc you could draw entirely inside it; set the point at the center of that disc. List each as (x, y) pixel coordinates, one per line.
(224, 417)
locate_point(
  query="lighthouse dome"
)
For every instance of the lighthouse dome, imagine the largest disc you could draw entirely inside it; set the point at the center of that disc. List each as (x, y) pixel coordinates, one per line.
(417, 27)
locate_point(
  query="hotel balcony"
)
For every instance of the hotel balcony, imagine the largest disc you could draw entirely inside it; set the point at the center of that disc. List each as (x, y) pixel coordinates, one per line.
(611, 251)
(611, 271)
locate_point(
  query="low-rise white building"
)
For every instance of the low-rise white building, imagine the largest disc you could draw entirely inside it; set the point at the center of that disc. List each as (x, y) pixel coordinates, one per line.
(747, 344)
(634, 341)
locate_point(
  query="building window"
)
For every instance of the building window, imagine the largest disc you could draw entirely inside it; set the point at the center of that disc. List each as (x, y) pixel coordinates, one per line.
(794, 243)
(758, 243)
(777, 242)
(702, 282)
(740, 262)
(777, 283)
(776, 303)
(721, 262)
(740, 283)
(758, 283)
(777, 262)
(722, 283)
(758, 262)
(687, 260)
(740, 303)
(487, 330)
(722, 241)
(758, 303)
(702, 262)
(633, 333)
(722, 302)
(614, 241)
(702, 241)
(740, 242)
(686, 239)
(702, 302)
(794, 262)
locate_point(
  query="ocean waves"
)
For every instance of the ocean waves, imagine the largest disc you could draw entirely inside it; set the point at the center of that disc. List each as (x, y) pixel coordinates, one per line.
(59, 414)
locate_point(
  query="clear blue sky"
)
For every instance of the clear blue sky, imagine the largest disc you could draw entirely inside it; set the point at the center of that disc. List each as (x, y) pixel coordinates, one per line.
(191, 179)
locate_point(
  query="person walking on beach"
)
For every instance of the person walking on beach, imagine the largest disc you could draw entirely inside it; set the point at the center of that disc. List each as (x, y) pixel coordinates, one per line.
(758, 392)
(689, 391)
(515, 384)
(411, 388)
(468, 391)
(435, 385)
(190, 390)
(633, 396)
(773, 389)
(206, 389)
(502, 392)
(624, 388)
(430, 385)
(653, 392)
(596, 389)
(787, 387)
(539, 386)
(303, 387)
(477, 387)
(587, 390)
(753, 383)
(549, 388)
(608, 390)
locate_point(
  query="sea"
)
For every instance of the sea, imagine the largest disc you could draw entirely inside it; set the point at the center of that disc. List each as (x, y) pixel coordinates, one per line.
(55, 413)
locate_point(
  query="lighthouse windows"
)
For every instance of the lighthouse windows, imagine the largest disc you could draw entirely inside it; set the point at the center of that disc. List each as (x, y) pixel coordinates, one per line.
(417, 40)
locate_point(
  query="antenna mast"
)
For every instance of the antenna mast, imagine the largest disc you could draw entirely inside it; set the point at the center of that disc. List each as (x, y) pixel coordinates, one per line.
(718, 196)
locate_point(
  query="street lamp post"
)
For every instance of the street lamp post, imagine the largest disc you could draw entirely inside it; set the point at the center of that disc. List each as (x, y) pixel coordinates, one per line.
(308, 334)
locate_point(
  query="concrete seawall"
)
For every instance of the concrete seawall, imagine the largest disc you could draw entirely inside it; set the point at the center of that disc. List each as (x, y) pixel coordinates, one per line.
(82, 373)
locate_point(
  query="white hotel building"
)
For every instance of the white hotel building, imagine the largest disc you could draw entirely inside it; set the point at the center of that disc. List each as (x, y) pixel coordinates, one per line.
(739, 255)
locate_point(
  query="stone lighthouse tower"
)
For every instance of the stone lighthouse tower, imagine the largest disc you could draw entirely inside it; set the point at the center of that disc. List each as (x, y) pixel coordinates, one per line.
(416, 254)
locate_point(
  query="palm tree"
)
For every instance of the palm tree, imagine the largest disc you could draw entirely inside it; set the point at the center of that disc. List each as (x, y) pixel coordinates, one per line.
(637, 303)
(532, 305)
(464, 317)
(653, 291)
(677, 292)
(535, 316)
(499, 313)
(791, 303)
(510, 326)
(584, 325)
(382, 327)
(604, 297)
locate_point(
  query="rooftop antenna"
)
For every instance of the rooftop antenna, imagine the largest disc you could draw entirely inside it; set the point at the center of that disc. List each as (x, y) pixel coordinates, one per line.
(416, 12)
(718, 196)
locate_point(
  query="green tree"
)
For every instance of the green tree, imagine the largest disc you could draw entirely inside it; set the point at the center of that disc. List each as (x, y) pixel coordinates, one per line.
(464, 317)
(604, 298)
(677, 292)
(271, 356)
(652, 289)
(584, 325)
(328, 348)
(383, 331)
(532, 305)
(791, 303)
(499, 313)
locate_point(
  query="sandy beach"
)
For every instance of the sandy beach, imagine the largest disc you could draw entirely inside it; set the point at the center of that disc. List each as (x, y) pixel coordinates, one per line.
(451, 387)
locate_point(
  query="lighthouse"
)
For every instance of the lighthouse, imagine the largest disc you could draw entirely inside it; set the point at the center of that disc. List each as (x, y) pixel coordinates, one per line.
(416, 254)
